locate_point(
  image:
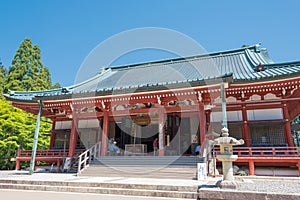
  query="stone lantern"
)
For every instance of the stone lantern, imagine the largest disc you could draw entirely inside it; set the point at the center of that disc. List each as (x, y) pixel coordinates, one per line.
(226, 156)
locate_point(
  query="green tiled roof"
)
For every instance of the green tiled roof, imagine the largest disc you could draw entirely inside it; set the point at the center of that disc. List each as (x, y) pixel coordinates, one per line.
(247, 64)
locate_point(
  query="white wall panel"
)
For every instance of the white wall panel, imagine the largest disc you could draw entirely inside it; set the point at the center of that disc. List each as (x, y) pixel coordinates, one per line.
(88, 123)
(63, 125)
(231, 116)
(216, 116)
(265, 114)
(234, 116)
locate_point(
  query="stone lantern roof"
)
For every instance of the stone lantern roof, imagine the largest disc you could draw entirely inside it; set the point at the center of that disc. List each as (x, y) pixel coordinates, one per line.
(225, 139)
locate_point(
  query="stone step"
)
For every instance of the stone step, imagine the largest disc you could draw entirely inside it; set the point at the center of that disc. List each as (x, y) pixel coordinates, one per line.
(101, 184)
(170, 172)
(149, 160)
(168, 191)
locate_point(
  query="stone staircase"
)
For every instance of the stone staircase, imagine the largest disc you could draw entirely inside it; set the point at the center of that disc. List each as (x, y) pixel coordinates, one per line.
(170, 167)
(149, 160)
(168, 191)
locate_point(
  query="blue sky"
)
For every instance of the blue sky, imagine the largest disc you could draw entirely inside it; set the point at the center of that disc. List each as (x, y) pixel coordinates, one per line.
(67, 30)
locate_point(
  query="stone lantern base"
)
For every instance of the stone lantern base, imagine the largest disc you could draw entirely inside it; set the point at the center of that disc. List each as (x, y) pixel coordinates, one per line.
(228, 178)
(226, 184)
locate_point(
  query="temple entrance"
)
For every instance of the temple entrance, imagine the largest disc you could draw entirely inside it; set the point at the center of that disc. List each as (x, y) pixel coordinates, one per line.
(127, 134)
(181, 134)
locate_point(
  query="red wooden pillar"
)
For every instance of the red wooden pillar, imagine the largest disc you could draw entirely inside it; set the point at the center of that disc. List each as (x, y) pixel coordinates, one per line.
(17, 164)
(52, 137)
(202, 124)
(251, 168)
(99, 131)
(104, 144)
(298, 168)
(173, 125)
(287, 126)
(161, 132)
(73, 137)
(207, 117)
(17, 160)
(178, 123)
(246, 128)
(58, 164)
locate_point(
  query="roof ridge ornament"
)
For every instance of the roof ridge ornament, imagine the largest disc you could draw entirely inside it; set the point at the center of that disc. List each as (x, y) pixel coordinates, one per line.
(103, 69)
(64, 90)
(257, 47)
(259, 68)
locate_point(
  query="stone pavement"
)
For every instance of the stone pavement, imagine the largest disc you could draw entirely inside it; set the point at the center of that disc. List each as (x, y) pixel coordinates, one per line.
(249, 187)
(70, 177)
(46, 195)
(70, 183)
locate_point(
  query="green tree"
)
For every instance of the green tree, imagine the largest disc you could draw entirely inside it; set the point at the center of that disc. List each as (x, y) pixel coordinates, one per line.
(27, 72)
(3, 74)
(17, 128)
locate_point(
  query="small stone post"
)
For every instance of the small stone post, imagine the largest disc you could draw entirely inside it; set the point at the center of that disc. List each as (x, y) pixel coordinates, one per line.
(226, 156)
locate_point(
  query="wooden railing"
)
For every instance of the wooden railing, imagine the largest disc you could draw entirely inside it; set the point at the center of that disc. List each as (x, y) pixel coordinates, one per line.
(86, 157)
(264, 151)
(47, 153)
(42, 153)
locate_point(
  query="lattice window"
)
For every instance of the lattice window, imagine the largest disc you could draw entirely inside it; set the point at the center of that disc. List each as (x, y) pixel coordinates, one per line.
(235, 130)
(62, 139)
(267, 134)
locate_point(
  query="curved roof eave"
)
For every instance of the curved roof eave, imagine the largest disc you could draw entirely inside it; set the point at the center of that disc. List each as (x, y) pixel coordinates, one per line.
(240, 63)
(194, 83)
(267, 78)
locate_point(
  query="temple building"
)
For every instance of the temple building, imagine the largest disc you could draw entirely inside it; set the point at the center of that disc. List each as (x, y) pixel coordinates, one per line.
(178, 101)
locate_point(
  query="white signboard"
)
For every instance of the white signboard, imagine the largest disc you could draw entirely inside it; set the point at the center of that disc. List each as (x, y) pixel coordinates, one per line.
(201, 172)
(67, 163)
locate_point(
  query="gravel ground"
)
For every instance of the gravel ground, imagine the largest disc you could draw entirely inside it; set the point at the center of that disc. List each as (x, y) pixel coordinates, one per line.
(282, 186)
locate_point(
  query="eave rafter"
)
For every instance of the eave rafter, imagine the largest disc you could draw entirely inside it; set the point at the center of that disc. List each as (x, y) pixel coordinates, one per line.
(172, 99)
(107, 103)
(283, 88)
(29, 107)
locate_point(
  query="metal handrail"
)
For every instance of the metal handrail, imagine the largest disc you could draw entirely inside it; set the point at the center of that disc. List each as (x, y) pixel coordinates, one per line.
(86, 157)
